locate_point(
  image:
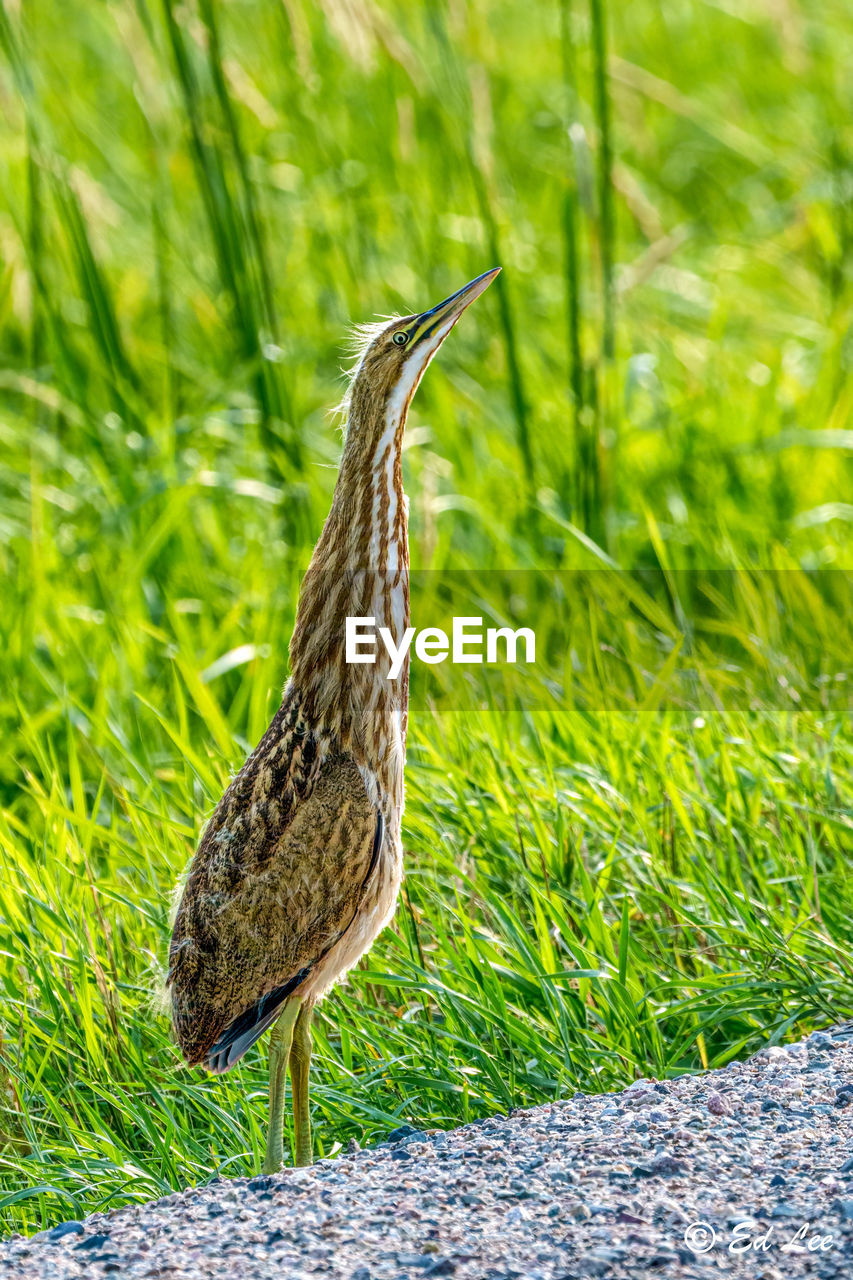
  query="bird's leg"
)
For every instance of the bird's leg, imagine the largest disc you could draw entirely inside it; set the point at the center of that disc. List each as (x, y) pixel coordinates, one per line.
(300, 1062)
(280, 1042)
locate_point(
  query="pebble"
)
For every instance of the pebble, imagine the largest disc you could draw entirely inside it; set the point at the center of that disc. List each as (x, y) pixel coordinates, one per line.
(404, 1131)
(96, 1241)
(64, 1229)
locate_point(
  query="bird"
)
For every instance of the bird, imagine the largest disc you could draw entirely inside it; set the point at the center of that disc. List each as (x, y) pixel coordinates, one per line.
(299, 867)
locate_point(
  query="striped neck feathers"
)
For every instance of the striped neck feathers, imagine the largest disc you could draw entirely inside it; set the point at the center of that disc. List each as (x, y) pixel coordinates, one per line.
(360, 568)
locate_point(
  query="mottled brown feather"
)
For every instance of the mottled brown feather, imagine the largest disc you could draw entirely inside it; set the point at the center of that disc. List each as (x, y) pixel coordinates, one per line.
(277, 879)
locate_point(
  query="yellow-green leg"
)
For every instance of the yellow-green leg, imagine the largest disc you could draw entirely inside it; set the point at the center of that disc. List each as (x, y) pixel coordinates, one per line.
(280, 1042)
(300, 1063)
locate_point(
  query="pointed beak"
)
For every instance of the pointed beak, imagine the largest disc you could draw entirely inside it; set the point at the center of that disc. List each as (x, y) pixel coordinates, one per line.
(444, 316)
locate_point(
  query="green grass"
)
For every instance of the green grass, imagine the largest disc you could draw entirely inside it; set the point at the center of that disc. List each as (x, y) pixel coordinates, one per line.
(635, 859)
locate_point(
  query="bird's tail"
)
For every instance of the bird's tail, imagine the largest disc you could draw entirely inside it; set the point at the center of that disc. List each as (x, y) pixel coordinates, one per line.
(242, 1033)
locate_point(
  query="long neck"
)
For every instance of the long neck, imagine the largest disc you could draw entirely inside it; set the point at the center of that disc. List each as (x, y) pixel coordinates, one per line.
(360, 568)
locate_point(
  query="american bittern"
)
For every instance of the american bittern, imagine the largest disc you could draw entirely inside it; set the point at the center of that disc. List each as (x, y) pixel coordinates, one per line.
(300, 865)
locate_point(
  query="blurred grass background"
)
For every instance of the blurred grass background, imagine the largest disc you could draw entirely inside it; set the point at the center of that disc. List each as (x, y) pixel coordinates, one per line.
(643, 869)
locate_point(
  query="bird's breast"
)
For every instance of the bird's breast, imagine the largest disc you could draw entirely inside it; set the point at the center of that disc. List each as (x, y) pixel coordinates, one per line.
(376, 907)
(383, 773)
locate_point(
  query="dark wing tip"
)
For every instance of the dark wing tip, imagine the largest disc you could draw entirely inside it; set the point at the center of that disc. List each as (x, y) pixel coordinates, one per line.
(241, 1034)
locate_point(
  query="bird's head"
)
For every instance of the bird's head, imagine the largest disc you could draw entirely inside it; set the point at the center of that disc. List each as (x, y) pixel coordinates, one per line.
(394, 354)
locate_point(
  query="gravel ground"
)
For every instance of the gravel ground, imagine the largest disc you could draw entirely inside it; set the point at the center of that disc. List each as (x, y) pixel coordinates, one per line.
(663, 1179)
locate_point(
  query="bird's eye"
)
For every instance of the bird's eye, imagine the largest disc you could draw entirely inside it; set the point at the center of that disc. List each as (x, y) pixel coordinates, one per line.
(400, 339)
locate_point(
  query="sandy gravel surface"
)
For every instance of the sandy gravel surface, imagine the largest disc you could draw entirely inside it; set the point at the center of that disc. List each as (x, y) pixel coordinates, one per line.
(746, 1171)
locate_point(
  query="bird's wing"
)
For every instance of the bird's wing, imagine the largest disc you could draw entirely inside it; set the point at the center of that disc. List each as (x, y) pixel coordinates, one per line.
(276, 881)
(241, 1034)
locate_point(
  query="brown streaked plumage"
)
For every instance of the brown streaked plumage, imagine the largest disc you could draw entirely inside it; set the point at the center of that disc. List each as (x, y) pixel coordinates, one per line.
(299, 867)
